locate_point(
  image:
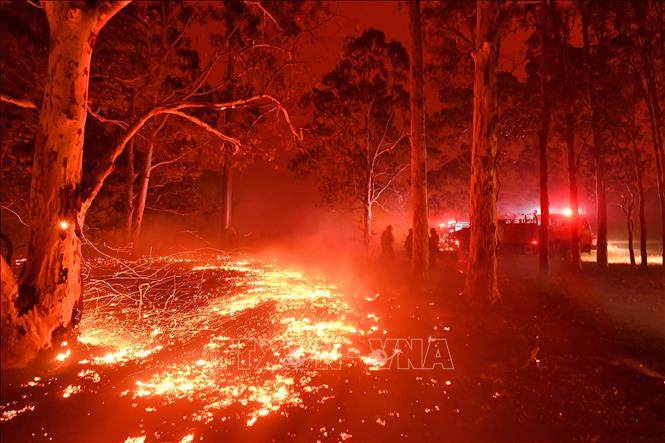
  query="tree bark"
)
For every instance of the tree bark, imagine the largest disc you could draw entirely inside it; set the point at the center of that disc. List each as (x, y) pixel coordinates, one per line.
(420, 249)
(631, 249)
(543, 229)
(14, 351)
(367, 225)
(131, 178)
(227, 194)
(144, 187)
(627, 205)
(481, 279)
(49, 295)
(131, 173)
(598, 143)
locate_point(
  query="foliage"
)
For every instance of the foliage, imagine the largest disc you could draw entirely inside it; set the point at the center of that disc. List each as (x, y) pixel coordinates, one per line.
(357, 135)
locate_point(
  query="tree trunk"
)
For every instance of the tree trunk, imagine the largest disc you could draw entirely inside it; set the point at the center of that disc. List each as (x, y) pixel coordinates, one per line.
(14, 352)
(601, 200)
(655, 119)
(130, 190)
(367, 225)
(226, 203)
(572, 185)
(131, 177)
(227, 195)
(144, 186)
(481, 279)
(420, 250)
(627, 205)
(597, 132)
(543, 229)
(642, 208)
(225, 207)
(629, 226)
(49, 295)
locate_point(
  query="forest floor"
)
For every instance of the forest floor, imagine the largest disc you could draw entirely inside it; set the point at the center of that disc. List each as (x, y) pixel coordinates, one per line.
(567, 357)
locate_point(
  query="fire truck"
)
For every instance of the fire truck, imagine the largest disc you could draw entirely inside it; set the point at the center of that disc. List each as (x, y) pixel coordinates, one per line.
(519, 233)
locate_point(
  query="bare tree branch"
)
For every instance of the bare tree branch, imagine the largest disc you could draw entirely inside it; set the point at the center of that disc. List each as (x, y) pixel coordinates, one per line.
(382, 188)
(256, 120)
(18, 102)
(120, 123)
(166, 162)
(267, 45)
(20, 220)
(93, 186)
(197, 121)
(265, 12)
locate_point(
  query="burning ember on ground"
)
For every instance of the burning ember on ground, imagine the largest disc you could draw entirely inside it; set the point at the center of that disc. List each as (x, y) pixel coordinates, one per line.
(230, 337)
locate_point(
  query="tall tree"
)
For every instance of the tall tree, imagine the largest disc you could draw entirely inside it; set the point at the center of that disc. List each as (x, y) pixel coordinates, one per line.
(48, 296)
(543, 132)
(587, 13)
(482, 278)
(570, 118)
(638, 163)
(245, 35)
(420, 250)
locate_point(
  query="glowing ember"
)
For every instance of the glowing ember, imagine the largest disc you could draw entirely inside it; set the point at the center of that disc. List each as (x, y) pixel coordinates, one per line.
(71, 390)
(63, 355)
(13, 413)
(186, 303)
(222, 337)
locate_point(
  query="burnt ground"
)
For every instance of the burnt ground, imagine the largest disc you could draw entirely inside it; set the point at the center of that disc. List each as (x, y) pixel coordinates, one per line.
(567, 357)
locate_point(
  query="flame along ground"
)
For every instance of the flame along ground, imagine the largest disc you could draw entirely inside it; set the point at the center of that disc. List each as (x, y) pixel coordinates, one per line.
(210, 329)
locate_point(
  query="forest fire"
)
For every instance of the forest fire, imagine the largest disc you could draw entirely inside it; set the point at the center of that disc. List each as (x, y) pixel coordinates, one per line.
(211, 330)
(283, 221)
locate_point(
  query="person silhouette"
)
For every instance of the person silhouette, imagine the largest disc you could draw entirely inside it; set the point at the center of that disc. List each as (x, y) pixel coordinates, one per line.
(387, 240)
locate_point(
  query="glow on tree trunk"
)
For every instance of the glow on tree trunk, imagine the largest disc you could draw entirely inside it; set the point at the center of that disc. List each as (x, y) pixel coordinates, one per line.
(49, 295)
(482, 265)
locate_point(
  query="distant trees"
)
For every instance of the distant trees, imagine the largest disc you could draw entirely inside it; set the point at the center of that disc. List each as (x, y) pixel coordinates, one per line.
(640, 44)
(449, 33)
(158, 63)
(259, 56)
(248, 53)
(358, 133)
